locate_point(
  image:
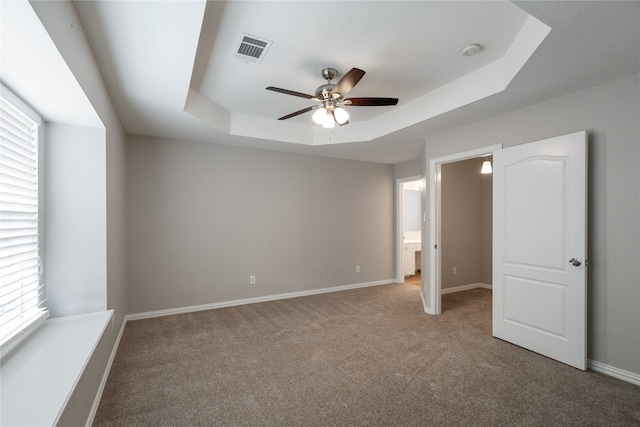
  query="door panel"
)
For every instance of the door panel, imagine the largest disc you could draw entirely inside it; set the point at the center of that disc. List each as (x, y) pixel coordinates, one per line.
(539, 297)
(523, 297)
(536, 212)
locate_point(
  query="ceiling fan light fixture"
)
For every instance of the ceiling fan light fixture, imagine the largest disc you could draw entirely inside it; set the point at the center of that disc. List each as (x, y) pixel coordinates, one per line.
(341, 115)
(328, 122)
(330, 96)
(319, 116)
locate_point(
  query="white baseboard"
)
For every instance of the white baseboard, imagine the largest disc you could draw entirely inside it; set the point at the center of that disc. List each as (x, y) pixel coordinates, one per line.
(233, 303)
(105, 376)
(465, 288)
(41, 372)
(612, 371)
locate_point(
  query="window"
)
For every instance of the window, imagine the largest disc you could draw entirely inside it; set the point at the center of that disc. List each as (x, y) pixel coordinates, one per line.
(21, 290)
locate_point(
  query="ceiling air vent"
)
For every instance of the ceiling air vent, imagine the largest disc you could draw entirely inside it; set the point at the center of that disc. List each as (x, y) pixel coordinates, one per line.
(252, 49)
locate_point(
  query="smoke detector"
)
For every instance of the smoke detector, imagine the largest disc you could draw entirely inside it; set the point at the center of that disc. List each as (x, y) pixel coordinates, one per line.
(471, 49)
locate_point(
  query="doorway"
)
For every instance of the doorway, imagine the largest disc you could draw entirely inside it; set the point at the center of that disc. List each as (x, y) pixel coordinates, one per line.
(538, 284)
(455, 271)
(409, 219)
(466, 225)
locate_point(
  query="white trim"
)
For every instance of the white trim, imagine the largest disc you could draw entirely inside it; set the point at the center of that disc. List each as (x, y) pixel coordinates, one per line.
(45, 369)
(233, 303)
(612, 371)
(105, 376)
(425, 307)
(103, 327)
(434, 237)
(465, 288)
(23, 334)
(434, 285)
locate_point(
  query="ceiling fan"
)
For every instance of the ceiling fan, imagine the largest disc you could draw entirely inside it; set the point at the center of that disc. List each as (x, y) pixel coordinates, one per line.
(331, 98)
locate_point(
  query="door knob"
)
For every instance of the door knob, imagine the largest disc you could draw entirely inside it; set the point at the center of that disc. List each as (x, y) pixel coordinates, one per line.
(575, 262)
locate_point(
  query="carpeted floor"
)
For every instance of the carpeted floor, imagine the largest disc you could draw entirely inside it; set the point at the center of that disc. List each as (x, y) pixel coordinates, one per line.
(365, 357)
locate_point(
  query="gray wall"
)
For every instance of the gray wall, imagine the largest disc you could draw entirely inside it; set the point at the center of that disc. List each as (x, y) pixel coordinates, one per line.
(466, 209)
(415, 167)
(202, 218)
(610, 113)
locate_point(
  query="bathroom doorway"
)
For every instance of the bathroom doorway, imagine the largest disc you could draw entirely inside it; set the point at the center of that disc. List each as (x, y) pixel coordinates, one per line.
(409, 230)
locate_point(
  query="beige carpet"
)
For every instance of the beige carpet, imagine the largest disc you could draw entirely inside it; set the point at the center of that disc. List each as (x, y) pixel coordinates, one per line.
(366, 357)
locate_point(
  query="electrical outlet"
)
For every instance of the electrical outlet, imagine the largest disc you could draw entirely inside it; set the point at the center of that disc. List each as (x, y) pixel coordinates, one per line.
(455, 270)
(252, 280)
(357, 269)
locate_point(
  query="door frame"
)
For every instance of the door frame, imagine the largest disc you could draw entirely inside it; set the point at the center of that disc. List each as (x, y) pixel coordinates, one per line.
(399, 243)
(433, 286)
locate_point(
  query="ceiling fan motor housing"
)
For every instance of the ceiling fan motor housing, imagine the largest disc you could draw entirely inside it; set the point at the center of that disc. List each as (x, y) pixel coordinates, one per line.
(324, 92)
(329, 73)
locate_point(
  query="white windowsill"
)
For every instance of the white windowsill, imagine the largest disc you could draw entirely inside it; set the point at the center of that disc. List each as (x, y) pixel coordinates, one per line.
(38, 378)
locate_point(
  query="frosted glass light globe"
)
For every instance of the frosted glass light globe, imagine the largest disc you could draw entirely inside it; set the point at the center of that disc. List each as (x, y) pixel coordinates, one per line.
(328, 123)
(341, 115)
(319, 116)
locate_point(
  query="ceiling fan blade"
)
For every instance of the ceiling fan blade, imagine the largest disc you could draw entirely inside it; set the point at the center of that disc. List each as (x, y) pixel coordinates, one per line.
(348, 81)
(370, 102)
(291, 92)
(297, 113)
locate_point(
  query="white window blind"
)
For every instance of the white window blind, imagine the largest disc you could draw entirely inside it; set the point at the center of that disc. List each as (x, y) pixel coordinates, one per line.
(21, 293)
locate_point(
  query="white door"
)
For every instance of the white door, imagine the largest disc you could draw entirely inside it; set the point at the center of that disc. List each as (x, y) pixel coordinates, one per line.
(539, 247)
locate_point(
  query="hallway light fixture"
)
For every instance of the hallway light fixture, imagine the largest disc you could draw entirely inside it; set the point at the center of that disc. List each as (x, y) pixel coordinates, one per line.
(486, 167)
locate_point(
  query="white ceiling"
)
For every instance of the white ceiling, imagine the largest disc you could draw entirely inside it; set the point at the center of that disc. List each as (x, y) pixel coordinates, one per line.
(171, 72)
(405, 60)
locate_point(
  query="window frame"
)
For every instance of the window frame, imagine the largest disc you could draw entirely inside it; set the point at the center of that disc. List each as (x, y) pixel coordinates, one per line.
(38, 312)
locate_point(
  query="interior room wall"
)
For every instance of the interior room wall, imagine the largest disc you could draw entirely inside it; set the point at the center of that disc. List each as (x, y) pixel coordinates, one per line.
(465, 238)
(204, 217)
(609, 113)
(75, 221)
(415, 167)
(411, 210)
(486, 227)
